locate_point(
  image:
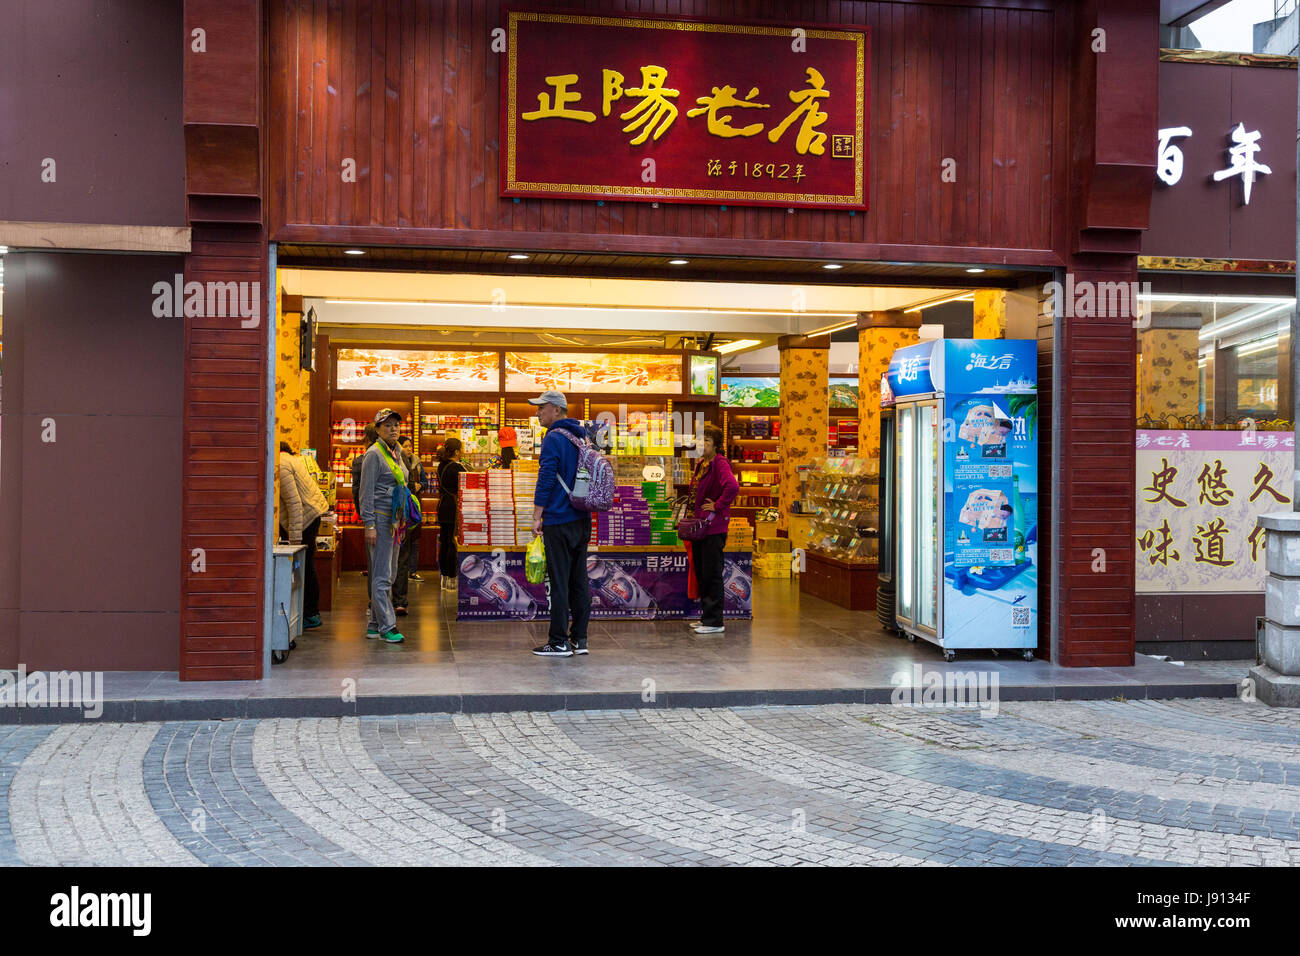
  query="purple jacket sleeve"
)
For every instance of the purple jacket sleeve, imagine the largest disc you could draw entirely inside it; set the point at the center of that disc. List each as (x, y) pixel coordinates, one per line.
(726, 479)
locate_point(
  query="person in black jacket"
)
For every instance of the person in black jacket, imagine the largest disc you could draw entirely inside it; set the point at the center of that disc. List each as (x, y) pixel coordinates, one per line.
(449, 471)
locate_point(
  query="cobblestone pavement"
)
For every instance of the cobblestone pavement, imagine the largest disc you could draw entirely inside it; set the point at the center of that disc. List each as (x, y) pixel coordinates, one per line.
(1199, 782)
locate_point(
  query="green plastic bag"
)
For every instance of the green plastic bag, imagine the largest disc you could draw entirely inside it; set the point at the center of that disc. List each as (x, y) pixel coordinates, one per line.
(535, 561)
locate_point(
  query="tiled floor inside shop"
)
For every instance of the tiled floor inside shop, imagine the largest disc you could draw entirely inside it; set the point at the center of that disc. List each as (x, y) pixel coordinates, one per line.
(797, 649)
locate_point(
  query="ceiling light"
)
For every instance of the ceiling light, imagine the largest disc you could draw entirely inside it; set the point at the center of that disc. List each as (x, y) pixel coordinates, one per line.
(832, 265)
(3, 250)
(1232, 299)
(1216, 330)
(964, 297)
(1260, 345)
(835, 328)
(736, 346)
(497, 307)
(354, 252)
(974, 270)
(517, 255)
(679, 262)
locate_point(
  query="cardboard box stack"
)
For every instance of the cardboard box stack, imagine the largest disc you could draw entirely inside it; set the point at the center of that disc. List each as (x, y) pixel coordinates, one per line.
(525, 486)
(627, 522)
(662, 529)
(501, 506)
(740, 535)
(474, 507)
(772, 557)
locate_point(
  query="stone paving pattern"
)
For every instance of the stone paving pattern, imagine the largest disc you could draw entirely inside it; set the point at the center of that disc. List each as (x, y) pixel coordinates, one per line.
(1110, 782)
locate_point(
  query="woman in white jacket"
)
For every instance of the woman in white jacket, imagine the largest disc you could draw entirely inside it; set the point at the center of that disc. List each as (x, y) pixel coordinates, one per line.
(301, 507)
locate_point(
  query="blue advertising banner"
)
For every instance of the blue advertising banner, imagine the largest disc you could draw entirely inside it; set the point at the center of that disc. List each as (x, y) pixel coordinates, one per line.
(990, 468)
(649, 585)
(964, 366)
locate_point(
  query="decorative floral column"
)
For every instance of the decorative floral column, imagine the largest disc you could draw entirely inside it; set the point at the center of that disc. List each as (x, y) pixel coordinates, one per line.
(990, 314)
(805, 365)
(292, 384)
(1167, 373)
(879, 335)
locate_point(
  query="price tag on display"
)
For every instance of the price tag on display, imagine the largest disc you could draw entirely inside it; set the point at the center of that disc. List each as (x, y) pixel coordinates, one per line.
(653, 473)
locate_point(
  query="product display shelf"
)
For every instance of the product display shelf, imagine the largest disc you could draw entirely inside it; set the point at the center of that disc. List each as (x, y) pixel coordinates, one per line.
(842, 558)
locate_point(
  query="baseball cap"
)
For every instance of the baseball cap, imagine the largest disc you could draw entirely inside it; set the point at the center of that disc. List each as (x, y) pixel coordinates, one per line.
(551, 397)
(508, 437)
(385, 414)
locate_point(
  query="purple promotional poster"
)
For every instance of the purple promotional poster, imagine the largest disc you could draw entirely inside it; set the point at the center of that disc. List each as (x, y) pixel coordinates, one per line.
(638, 585)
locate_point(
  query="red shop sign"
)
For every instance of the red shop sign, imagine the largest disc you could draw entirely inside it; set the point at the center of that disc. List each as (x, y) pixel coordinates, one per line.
(654, 109)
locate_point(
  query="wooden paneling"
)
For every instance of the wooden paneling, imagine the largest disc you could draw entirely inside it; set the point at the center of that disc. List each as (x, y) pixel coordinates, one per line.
(224, 484)
(224, 469)
(409, 89)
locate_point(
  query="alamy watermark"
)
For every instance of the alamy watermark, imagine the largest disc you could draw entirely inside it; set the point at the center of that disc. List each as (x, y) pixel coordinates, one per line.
(181, 299)
(84, 689)
(1086, 299)
(926, 689)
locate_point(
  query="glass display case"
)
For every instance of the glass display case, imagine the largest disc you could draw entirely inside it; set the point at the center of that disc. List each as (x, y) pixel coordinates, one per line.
(844, 497)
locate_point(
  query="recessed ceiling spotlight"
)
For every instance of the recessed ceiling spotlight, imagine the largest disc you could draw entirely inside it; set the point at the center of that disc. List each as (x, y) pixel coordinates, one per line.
(974, 270)
(354, 252)
(517, 255)
(832, 265)
(679, 262)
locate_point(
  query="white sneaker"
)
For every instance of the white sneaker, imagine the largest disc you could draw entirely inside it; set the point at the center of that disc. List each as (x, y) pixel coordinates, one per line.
(710, 630)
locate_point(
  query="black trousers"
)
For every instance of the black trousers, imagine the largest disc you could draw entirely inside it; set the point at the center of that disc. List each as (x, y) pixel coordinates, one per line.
(566, 571)
(447, 547)
(707, 554)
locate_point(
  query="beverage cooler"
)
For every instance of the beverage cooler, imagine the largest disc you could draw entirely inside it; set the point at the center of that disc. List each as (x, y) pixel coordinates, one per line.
(965, 493)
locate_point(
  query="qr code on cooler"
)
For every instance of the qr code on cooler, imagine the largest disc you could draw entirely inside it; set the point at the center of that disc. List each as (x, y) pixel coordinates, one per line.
(1020, 617)
(1000, 554)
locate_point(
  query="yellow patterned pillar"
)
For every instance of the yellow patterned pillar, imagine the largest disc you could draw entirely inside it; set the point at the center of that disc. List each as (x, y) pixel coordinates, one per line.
(805, 368)
(990, 314)
(879, 335)
(1167, 375)
(292, 384)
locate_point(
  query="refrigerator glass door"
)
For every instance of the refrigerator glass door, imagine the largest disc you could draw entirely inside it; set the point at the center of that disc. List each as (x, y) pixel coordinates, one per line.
(905, 456)
(929, 556)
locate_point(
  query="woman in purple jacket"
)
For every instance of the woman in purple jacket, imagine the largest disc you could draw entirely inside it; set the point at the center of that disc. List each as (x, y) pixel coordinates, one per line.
(715, 490)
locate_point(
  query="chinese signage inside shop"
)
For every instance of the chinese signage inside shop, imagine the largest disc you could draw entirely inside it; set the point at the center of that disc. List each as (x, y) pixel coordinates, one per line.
(1200, 494)
(684, 110)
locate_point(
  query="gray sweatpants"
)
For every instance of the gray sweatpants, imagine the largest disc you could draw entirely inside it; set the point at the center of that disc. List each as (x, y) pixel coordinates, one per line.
(383, 568)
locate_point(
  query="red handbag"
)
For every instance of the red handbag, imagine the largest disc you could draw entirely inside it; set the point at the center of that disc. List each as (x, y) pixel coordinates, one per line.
(692, 582)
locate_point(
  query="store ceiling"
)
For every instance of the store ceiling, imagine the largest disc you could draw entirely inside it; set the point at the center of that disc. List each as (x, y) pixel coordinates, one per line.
(609, 265)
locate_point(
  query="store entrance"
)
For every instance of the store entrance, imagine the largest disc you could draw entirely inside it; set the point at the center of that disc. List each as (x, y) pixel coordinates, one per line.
(649, 372)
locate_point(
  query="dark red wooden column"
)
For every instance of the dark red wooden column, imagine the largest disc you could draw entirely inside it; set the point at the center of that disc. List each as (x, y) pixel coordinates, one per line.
(225, 430)
(1112, 141)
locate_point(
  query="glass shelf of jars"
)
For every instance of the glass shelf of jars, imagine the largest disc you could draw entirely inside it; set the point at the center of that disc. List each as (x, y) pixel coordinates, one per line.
(842, 494)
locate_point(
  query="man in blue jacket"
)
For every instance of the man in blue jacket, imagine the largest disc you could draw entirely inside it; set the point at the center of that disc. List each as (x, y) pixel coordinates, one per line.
(563, 528)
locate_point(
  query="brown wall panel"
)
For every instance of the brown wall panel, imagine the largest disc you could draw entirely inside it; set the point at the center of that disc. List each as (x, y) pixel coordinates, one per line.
(410, 90)
(84, 349)
(96, 87)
